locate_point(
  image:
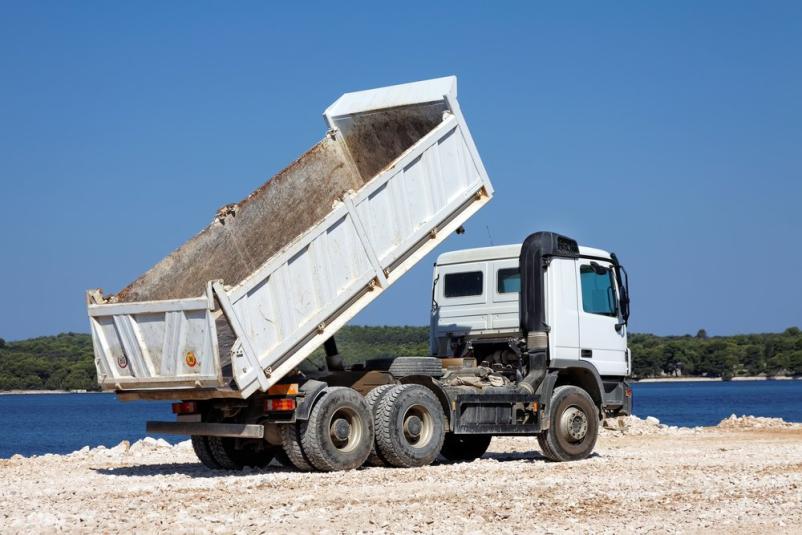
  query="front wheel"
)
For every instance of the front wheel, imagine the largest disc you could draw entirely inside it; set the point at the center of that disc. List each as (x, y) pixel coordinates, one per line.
(573, 425)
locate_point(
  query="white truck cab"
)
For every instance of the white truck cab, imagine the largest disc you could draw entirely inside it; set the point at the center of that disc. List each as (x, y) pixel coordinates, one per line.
(476, 295)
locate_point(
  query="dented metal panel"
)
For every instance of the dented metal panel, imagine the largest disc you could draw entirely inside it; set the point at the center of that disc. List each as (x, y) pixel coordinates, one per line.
(285, 268)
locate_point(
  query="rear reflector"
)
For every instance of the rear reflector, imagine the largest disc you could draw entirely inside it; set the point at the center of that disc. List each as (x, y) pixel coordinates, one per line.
(185, 407)
(282, 404)
(628, 392)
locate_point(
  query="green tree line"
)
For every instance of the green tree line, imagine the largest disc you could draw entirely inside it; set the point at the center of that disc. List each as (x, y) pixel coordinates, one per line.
(65, 361)
(771, 354)
(62, 362)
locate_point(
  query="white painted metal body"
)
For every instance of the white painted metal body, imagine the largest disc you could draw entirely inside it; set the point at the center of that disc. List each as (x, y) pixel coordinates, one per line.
(302, 295)
(494, 313)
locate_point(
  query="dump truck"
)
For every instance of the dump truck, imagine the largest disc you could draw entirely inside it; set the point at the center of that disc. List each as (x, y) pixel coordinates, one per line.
(525, 340)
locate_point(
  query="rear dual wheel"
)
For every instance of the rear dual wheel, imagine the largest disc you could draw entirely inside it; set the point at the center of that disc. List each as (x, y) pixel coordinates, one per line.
(337, 436)
(410, 426)
(227, 453)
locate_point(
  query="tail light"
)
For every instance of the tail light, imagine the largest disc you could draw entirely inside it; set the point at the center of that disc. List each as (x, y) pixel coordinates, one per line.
(185, 407)
(280, 404)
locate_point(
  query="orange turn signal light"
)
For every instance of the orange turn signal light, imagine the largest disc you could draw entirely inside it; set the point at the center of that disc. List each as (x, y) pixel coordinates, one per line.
(185, 407)
(288, 389)
(281, 404)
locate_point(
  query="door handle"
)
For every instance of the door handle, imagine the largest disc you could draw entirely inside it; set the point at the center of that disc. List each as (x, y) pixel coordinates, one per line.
(586, 353)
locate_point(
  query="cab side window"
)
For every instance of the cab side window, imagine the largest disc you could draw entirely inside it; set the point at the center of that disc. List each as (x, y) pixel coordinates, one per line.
(464, 284)
(508, 280)
(598, 291)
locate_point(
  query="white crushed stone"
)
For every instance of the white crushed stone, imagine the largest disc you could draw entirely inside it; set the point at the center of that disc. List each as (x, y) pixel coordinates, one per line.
(754, 422)
(643, 477)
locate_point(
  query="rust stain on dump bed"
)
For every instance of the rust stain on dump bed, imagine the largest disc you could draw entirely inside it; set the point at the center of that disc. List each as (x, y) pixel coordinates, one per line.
(244, 235)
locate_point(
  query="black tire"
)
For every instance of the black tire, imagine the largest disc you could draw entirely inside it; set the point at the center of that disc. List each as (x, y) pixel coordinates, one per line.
(227, 454)
(573, 425)
(339, 432)
(405, 366)
(374, 459)
(222, 449)
(201, 446)
(544, 446)
(291, 443)
(281, 457)
(249, 452)
(410, 426)
(464, 448)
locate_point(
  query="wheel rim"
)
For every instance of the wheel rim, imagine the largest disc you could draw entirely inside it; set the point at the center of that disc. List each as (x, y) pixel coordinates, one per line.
(418, 426)
(574, 424)
(345, 429)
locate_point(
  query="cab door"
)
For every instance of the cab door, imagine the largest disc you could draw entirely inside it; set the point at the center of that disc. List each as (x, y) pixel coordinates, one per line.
(602, 333)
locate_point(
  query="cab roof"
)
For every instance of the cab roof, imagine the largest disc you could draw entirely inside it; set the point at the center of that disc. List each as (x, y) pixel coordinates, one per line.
(500, 252)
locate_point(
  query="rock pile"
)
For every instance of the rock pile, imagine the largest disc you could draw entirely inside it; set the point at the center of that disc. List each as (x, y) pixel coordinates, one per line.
(755, 422)
(632, 425)
(140, 448)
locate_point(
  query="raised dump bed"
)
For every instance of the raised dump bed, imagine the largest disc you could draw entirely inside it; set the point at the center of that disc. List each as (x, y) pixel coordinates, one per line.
(247, 299)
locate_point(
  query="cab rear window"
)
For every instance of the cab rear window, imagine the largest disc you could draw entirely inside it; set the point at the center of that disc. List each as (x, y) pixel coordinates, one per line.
(508, 280)
(463, 284)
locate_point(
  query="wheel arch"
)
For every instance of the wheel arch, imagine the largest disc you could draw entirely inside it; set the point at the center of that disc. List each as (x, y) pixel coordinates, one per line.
(312, 391)
(574, 373)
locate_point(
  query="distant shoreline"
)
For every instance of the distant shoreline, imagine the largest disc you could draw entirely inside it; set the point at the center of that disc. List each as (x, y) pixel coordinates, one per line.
(695, 379)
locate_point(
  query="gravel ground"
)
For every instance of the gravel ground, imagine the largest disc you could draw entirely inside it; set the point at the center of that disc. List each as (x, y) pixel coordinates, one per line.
(743, 476)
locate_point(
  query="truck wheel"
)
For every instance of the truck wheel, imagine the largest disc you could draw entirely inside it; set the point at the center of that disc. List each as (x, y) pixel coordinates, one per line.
(374, 459)
(404, 366)
(573, 425)
(228, 455)
(339, 432)
(201, 446)
(222, 449)
(544, 447)
(249, 452)
(410, 426)
(291, 443)
(281, 457)
(464, 448)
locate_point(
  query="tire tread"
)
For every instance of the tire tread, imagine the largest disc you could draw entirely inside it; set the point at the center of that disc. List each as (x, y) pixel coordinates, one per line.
(313, 443)
(384, 426)
(291, 442)
(201, 446)
(375, 458)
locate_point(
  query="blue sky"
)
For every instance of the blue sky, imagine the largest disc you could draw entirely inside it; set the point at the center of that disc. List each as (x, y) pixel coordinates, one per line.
(670, 133)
